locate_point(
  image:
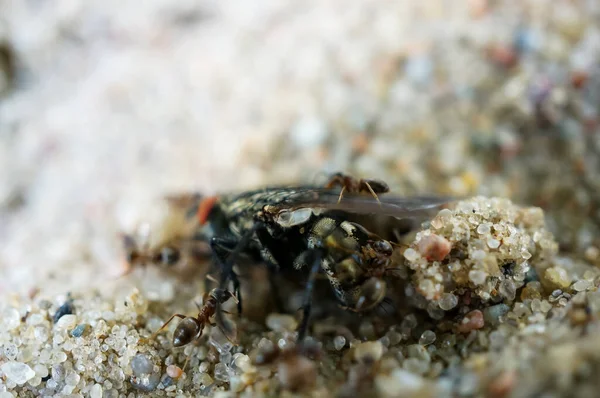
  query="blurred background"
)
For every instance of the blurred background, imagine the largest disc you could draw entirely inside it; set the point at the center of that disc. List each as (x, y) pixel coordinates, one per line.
(106, 106)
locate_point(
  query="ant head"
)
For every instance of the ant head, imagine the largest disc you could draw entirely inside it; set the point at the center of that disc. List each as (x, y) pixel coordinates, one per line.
(372, 292)
(383, 247)
(186, 331)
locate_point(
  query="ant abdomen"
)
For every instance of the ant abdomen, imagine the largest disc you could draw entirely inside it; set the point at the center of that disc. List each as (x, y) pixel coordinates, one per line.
(186, 331)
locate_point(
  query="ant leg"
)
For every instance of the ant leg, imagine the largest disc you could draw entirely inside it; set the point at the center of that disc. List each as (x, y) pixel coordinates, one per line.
(306, 305)
(372, 191)
(165, 325)
(237, 291)
(341, 194)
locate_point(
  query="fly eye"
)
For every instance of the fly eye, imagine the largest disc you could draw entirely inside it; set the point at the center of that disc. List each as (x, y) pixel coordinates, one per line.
(372, 291)
(287, 218)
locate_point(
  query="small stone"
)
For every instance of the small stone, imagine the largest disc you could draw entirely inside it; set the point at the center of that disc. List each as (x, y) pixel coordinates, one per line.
(339, 342)
(10, 319)
(411, 254)
(448, 301)
(477, 277)
(581, 285)
(221, 372)
(17, 372)
(96, 391)
(484, 228)
(427, 337)
(72, 378)
(40, 370)
(220, 341)
(492, 314)
(146, 382)
(368, 351)
(67, 321)
(472, 321)
(80, 330)
(10, 351)
(174, 371)
(433, 247)
(557, 278)
(242, 362)
(399, 383)
(281, 322)
(141, 364)
(493, 243)
(6, 394)
(531, 291)
(507, 289)
(35, 319)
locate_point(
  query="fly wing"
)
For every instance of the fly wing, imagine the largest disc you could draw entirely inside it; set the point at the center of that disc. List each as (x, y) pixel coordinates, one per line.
(385, 205)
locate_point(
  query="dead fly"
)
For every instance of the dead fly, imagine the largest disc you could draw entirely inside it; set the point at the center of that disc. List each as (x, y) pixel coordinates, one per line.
(308, 228)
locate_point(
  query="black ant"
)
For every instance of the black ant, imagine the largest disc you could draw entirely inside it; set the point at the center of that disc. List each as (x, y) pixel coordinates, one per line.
(357, 185)
(191, 328)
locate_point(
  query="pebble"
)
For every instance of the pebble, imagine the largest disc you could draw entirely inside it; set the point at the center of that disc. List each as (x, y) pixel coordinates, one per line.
(493, 313)
(581, 285)
(80, 330)
(17, 372)
(67, 321)
(399, 383)
(339, 342)
(222, 372)
(472, 321)
(10, 319)
(557, 278)
(477, 277)
(434, 247)
(368, 351)
(96, 391)
(141, 364)
(174, 371)
(448, 301)
(411, 254)
(427, 337)
(281, 322)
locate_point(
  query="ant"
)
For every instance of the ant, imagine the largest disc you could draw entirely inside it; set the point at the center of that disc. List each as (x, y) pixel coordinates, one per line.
(357, 185)
(191, 328)
(140, 255)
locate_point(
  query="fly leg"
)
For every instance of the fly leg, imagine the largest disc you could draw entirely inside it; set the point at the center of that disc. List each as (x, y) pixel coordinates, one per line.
(269, 243)
(223, 249)
(307, 302)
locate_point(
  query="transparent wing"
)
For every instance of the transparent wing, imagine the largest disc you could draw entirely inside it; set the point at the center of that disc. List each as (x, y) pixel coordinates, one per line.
(387, 205)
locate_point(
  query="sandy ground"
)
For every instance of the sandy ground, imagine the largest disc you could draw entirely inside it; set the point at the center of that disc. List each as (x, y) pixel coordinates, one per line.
(108, 106)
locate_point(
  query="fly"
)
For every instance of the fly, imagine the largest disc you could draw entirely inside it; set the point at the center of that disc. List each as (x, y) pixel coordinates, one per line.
(319, 229)
(309, 228)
